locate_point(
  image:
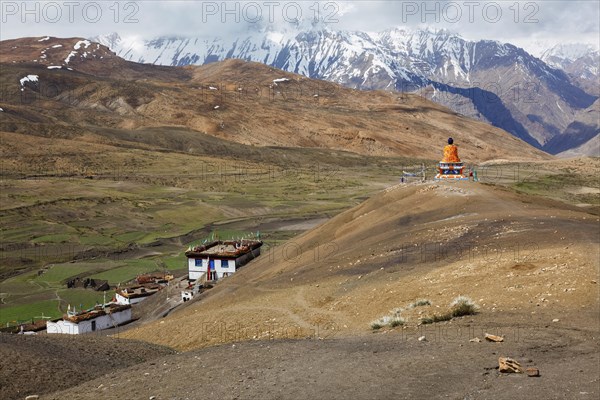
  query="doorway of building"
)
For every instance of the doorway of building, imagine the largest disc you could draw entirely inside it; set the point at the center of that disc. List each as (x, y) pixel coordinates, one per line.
(212, 275)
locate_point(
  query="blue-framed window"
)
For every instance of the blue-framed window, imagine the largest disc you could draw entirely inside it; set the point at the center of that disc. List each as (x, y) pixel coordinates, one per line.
(225, 264)
(198, 262)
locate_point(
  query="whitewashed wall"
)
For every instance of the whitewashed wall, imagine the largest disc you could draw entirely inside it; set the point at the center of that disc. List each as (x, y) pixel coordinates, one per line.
(102, 322)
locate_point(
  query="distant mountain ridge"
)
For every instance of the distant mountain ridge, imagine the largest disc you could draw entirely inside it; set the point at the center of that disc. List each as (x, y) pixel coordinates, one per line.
(580, 61)
(495, 82)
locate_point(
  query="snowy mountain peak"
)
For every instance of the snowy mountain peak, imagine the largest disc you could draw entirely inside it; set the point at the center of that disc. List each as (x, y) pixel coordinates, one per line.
(581, 61)
(570, 51)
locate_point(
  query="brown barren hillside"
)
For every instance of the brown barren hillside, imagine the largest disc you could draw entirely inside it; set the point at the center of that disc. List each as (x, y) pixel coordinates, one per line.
(80, 55)
(239, 101)
(530, 258)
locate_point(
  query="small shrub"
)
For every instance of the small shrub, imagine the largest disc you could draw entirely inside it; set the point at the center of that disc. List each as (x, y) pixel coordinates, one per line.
(460, 306)
(443, 317)
(420, 303)
(436, 318)
(463, 305)
(392, 321)
(380, 323)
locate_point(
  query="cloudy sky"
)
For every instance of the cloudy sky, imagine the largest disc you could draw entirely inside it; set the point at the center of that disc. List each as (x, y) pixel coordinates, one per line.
(529, 24)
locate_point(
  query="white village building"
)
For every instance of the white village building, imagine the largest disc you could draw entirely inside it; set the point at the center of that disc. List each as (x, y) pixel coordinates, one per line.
(219, 259)
(100, 317)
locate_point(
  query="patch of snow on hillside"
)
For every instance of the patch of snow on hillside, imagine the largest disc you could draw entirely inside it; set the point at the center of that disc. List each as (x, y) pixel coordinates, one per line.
(43, 39)
(84, 42)
(29, 78)
(54, 67)
(56, 46)
(71, 55)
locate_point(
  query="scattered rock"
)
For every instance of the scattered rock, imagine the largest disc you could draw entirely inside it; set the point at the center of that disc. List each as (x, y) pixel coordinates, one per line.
(493, 338)
(555, 320)
(508, 365)
(475, 340)
(422, 339)
(532, 372)
(152, 397)
(32, 397)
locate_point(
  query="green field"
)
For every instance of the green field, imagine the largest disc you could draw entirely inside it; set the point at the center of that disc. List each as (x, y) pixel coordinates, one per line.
(566, 185)
(129, 271)
(82, 298)
(57, 274)
(25, 312)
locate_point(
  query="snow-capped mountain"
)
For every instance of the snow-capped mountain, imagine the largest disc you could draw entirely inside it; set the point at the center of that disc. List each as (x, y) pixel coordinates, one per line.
(580, 61)
(567, 52)
(492, 81)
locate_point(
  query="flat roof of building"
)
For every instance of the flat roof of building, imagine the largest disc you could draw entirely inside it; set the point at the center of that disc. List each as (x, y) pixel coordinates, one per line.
(135, 291)
(95, 312)
(224, 249)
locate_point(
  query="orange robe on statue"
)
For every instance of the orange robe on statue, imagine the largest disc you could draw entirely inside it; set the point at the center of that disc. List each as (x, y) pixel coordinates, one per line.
(451, 154)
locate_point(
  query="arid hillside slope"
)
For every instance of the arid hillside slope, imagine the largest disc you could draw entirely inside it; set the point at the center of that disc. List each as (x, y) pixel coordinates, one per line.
(510, 253)
(75, 88)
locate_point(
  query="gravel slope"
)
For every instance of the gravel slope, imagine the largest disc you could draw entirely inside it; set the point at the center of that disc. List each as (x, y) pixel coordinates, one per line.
(41, 364)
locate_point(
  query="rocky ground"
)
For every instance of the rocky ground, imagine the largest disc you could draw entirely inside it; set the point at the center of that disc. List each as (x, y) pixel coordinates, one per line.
(39, 364)
(384, 365)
